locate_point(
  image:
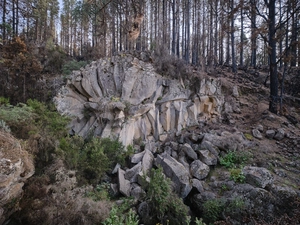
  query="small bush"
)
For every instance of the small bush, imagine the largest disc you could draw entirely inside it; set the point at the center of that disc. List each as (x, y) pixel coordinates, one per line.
(70, 150)
(212, 209)
(164, 204)
(101, 192)
(199, 221)
(234, 158)
(237, 175)
(121, 215)
(49, 119)
(73, 65)
(169, 65)
(4, 101)
(91, 157)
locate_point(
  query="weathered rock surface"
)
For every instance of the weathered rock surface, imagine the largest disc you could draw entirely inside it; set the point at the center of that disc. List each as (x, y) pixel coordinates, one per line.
(16, 166)
(123, 96)
(256, 133)
(257, 176)
(177, 173)
(199, 169)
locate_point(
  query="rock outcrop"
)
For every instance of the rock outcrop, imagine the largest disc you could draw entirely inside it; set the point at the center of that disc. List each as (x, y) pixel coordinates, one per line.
(124, 97)
(16, 166)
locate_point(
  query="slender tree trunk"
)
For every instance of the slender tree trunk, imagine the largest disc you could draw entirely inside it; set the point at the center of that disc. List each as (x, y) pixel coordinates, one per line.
(177, 30)
(232, 40)
(216, 33)
(113, 30)
(272, 58)
(242, 35)
(4, 21)
(281, 35)
(13, 18)
(253, 33)
(187, 27)
(294, 36)
(210, 50)
(221, 38)
(17, 18)
(173, 27)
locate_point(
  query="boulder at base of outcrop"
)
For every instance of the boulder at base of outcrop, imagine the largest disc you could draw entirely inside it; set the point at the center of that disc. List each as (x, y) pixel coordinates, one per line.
(257, 176)
(199, 169)
(16, 166)
(176, 172)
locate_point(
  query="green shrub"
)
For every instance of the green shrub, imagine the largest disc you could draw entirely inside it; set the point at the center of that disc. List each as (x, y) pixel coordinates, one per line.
(234, 158)
(19, 119)
(212, 209)
(4, 101)
(236, 204)
(164, 204)
(237, 175)
(121, 215)
(73, 65)
(70, 149)
(16, 114)
(48, 119)
(91, 157)
(199, 221)
(100, 192)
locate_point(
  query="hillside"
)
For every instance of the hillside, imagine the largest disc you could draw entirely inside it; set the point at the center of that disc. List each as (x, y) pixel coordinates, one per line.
(210, 133)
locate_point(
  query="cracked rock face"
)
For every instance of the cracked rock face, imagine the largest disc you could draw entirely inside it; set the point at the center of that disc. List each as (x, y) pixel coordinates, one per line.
(125, 98)
(16, 166)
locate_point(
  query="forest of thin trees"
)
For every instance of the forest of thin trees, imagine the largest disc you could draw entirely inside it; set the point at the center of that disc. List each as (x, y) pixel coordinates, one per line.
(204, 33)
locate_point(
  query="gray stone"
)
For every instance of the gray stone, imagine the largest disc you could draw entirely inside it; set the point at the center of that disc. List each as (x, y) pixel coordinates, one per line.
(206, 145)
(198, 185)
(176, 172)
(174, 145)
(168, 150)
(115, 170)
(124, 185)
(136, 158)
(137, 192)
(199, 169)
(143, 209)
(183, 161)
(257, 176)
(235, 91)
(143, 180)
(270, 134)
(132, 172)
(279, 134)
(114, 189)
(147, 162)
(227, 141)
(260, 127)
(207, 157)
(256, 133)
(189, 151)
(194, 137)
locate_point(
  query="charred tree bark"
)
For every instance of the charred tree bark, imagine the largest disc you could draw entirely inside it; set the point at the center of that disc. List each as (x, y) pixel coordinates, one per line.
(272, 58)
